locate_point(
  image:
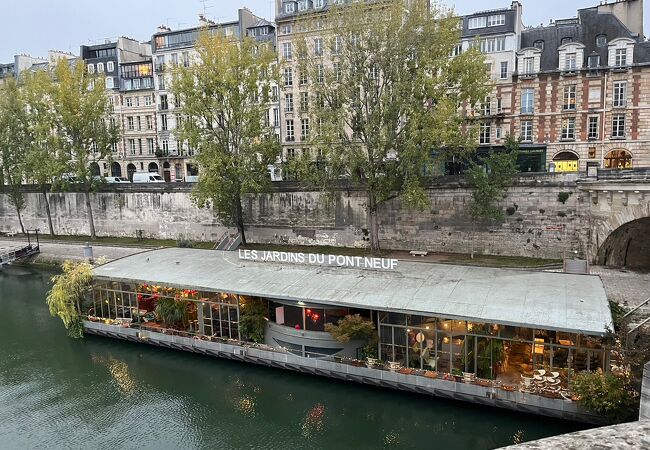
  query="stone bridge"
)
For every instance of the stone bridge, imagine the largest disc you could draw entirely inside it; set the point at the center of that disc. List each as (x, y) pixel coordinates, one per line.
(617, 215)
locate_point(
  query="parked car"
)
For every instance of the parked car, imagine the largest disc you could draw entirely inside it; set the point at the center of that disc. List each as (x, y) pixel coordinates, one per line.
(117, 180)
(147, 177)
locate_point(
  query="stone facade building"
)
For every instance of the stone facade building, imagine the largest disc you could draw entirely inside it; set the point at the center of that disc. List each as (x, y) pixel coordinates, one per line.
(173, 48)
(582, 90)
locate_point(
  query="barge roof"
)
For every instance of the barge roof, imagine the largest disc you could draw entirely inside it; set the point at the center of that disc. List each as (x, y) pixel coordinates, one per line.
(534, 299)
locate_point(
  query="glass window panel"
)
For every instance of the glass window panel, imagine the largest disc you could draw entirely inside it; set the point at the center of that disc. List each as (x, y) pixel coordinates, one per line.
(314, 319)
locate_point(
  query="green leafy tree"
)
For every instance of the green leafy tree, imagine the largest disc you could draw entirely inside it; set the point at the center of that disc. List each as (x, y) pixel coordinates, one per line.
(388, 109)
(606, 394)
(67, 293)
(43, 163)
(225, 98)
(82, 123)
(14, 140)
(252, 319)
(489, 179)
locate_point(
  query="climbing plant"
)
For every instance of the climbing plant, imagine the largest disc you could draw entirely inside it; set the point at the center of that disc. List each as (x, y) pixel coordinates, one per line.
(67, 291)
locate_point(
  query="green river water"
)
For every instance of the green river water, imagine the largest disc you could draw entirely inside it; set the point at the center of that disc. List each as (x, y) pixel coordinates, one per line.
(99, 393)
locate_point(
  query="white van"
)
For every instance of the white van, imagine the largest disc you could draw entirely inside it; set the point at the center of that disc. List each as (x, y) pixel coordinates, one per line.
(147, 177)
(192, 179)
(116, 180)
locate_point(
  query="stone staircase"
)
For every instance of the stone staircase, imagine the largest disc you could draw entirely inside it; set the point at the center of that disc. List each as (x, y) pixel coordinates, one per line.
(229, 242)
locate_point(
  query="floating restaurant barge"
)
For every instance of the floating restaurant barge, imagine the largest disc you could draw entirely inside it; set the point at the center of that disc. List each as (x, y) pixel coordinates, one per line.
(506, 338)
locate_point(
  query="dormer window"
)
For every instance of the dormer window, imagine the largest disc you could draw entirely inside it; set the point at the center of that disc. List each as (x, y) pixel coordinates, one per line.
(319, 3)
(303, 5)
(601, 40)
(594, 61)
(539, 45)
(289, 7)
(566, 40)
(477, 22)
(620, 57)
(570, 61)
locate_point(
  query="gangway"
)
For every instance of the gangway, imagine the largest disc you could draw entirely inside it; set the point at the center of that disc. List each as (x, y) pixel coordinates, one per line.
(8, 256)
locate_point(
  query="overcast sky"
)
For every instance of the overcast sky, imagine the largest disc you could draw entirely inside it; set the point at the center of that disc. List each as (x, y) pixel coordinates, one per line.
(35, 26)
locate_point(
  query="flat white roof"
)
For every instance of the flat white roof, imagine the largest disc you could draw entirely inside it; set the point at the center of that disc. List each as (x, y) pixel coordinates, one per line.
(535, 299)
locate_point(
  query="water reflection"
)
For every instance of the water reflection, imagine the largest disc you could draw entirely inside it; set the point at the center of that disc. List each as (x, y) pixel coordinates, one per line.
(102, 393)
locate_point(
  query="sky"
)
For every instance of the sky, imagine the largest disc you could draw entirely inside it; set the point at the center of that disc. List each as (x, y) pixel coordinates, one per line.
(35, 26)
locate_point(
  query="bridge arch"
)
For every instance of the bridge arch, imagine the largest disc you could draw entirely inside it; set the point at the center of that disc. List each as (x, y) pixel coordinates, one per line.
(623, 239)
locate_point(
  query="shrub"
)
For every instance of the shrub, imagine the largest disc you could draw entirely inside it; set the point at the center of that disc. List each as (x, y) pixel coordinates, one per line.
(183, 242)
(172, 312)
(252, 319)
(606, 394)
(351, 327)
(562, 197)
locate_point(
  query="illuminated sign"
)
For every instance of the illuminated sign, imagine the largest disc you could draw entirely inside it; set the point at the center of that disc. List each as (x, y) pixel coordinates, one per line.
(319, 259)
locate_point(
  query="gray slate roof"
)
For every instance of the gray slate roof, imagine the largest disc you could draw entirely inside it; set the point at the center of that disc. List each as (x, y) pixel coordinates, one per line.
(555, 301)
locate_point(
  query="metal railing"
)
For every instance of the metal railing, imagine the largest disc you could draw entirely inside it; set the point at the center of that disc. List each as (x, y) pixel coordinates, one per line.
(629, 313)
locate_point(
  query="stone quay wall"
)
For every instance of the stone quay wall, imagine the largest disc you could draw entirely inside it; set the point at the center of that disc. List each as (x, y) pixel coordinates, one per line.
(644, 412)
(536, 222)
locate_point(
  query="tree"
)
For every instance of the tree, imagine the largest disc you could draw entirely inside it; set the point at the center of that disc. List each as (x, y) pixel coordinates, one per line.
(252, 319)
(68, 291)
(389, 107)
(489, 179)
(42, 162)
(83, 126)
(606, 394)
(14, 140)
(225, 98)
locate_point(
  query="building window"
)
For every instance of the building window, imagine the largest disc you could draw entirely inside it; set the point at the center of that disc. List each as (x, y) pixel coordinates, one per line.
(566, 40)
(477, 22)
(504, 70)
(570, 61)
(304, 101)
(320, 73)
(539, 45)
(570, 97)
(618, 159)
(620, 91)
(290, 135)
(620, 57)
(593, 61)
(161, 82)
(568, 128)
(318, 3)
(164, 102)
(275, 93)
(496, 20)
(289, 7)
(110, 66)
(601, 40)
(303, 77)
(186, 59)
(149, 122)
(497, 133)
(91, 68)
(110, 83)
(304, 129)
(618, 126)
(147, 100)
(492, 45)
(288, 76)
(592, 131)
(286, 29)
(130, 123)
(484, 133)
(527, 131)
(150, 146)
(318, 47)
(499, 105)
(528, 101)
(529, 66)
(276, 117)
(287, 50)
(100, 67)
(336, 68)
(288, 103)
(132, 147)
(175, 59)
(165, 146)
(486, 109)
(163, 122)
(338, 45)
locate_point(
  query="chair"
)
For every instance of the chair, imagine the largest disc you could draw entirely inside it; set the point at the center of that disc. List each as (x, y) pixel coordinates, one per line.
(469, 377)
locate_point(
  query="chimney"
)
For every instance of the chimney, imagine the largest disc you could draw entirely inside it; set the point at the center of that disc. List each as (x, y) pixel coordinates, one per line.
(163, 28)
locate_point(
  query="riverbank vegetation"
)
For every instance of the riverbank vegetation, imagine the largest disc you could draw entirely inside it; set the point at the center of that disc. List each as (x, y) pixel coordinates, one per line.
(68, 291)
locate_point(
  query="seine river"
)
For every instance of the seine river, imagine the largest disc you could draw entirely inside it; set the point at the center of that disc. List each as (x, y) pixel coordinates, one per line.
(98, 393)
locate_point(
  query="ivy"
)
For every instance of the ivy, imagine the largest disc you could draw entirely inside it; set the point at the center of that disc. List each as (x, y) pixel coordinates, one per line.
(68, 290)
